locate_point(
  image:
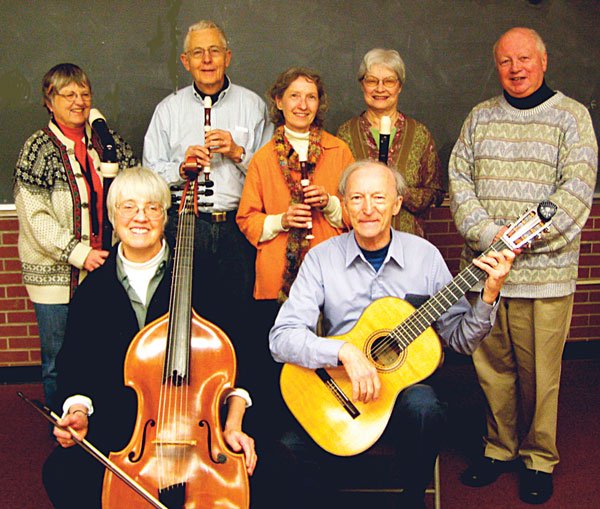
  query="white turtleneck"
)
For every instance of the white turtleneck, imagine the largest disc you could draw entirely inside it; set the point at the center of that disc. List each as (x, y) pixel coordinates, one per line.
(297, 140)
(140, 274)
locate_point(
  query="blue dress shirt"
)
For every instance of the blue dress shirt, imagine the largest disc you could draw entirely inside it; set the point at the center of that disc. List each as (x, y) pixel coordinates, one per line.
(337, 280)
(178, 122)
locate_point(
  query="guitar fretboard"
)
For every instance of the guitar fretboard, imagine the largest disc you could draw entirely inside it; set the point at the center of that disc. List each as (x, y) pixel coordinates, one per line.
(436, 306)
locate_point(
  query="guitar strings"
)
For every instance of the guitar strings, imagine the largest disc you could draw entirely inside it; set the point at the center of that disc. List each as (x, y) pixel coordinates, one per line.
(411, 328)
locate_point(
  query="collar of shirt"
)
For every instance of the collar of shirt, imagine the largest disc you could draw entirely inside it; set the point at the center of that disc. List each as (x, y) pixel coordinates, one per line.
(214, 97)
(139, 307)
(395, 251)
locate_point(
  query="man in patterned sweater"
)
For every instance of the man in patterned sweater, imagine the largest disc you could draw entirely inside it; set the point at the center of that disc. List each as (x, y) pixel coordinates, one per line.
(529, 144)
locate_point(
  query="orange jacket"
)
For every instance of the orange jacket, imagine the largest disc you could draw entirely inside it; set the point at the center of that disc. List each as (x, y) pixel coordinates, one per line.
(266, 192)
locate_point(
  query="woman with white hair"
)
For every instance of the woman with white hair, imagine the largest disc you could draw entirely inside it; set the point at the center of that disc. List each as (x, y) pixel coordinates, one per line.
(412, 149)
(129, 291)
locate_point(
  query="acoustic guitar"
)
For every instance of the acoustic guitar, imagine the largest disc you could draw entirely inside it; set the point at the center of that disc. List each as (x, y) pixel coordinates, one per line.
(404, 353)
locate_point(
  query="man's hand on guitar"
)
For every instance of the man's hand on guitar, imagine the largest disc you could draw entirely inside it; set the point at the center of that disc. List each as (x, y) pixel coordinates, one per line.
(496, 264)
(364, 377)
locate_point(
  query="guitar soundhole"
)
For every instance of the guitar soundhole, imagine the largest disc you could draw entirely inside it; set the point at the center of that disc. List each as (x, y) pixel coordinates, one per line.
(386, 353)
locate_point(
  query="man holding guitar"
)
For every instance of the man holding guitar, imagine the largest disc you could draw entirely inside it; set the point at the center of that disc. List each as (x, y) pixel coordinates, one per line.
(340, 278)
(527, 144)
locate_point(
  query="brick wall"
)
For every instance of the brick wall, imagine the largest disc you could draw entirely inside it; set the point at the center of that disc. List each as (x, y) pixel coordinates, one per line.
(19, 344)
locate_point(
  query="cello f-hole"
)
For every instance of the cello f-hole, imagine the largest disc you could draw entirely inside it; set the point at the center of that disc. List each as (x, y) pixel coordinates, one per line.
(221, 458)
(131, 455)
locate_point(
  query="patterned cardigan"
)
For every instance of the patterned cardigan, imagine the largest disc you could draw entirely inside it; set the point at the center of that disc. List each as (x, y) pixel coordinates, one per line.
(412, 153)
(52, 200)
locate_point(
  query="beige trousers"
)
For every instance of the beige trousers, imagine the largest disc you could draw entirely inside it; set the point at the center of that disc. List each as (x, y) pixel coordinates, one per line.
(518, 366)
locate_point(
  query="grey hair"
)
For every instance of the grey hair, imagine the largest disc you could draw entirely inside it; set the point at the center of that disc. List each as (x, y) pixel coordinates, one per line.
(59, 77)
(539, 42)
(204, 24)
(138, 181)
(387, 57)
(363, 163)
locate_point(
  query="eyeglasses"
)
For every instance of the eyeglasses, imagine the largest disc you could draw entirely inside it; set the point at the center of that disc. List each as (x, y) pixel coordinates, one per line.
(86, 97)
(372, 81)
(213, 51)
(130, 209)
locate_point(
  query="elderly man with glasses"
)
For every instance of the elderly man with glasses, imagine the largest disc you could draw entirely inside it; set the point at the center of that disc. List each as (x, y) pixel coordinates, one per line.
(239, 126)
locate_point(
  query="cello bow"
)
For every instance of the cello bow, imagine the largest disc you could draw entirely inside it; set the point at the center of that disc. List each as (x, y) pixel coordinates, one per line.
(50, 416)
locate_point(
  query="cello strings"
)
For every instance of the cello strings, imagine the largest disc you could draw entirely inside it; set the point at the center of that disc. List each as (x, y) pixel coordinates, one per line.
(165, 432)
(189, 250)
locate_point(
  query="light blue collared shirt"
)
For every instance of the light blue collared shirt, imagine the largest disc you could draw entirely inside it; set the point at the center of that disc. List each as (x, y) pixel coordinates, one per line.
(337, 280)
(178, 122)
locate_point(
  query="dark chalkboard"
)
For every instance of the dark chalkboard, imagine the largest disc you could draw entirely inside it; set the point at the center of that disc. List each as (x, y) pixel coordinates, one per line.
(130, 50)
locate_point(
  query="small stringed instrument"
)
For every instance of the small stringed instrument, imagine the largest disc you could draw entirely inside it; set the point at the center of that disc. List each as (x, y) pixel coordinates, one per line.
(404, 353)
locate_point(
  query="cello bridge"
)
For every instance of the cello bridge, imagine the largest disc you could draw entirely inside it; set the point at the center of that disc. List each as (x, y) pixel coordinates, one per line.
(181, 443)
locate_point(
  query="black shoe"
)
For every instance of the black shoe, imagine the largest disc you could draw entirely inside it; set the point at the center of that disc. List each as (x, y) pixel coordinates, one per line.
(535, 487)
(484, 471)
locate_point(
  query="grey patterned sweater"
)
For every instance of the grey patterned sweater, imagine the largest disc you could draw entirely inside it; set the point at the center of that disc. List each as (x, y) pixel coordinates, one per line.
(52, 201)
(507, 160)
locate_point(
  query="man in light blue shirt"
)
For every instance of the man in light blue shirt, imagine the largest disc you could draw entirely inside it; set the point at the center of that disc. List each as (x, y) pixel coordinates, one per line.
(239, 125)
(239, 121)
(342, 276)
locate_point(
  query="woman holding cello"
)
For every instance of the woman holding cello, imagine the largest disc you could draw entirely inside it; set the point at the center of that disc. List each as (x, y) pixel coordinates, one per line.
(131, 289)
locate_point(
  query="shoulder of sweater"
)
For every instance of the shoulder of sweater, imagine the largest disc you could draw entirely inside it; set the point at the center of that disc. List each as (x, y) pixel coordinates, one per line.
(345, 126)
(39, 136)
(569, 104)
(492, 102)
(565, 106)
(38, 145)
(419, 126)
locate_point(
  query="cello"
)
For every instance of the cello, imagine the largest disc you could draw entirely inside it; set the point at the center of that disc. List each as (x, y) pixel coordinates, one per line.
(181, 367)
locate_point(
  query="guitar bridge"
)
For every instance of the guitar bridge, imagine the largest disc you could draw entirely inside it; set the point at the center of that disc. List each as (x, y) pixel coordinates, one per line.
(337, 392)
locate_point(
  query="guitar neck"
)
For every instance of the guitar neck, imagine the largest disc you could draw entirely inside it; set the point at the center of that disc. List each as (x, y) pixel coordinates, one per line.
(437, 305)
